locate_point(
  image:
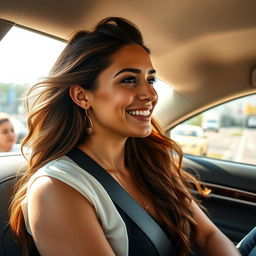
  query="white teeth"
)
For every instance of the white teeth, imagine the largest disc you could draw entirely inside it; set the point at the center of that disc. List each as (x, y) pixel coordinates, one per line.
(139, 112)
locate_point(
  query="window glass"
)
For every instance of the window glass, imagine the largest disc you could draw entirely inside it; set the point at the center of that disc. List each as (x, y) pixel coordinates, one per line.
(226, 132)
(25, 57)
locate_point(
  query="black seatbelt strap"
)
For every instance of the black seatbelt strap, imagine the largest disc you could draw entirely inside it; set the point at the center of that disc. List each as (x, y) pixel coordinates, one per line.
(143, 220)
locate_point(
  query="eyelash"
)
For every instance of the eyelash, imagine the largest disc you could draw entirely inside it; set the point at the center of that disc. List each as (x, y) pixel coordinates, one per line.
(132, 80)
(152, 80)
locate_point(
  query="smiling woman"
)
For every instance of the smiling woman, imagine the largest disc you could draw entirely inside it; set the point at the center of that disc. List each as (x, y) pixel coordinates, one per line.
(92, 118)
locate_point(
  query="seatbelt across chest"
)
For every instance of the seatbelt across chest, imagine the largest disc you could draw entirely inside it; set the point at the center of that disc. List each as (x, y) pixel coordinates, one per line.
(118, 195)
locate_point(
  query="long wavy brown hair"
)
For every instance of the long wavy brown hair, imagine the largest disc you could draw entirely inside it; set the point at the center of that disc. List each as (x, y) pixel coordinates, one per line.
(57, 125)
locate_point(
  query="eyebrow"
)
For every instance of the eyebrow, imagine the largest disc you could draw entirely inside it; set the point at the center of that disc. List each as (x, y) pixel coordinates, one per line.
(133, 70)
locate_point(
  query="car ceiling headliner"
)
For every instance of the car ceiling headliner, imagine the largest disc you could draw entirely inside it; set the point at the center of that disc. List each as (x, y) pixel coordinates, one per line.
(205, 49)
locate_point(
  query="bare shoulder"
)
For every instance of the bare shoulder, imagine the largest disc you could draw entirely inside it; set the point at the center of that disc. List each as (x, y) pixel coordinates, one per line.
(62, 219)
(48, 188)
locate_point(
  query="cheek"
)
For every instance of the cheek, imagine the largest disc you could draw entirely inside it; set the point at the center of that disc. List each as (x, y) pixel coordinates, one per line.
(115, 98)
(3, 137)
(103, 96)
(124, 98)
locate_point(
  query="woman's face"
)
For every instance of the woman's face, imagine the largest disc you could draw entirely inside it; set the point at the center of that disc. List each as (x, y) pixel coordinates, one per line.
(125, 98)
(7, 136)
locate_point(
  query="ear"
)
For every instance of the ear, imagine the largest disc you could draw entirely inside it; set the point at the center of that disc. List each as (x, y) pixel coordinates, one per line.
(80, 96)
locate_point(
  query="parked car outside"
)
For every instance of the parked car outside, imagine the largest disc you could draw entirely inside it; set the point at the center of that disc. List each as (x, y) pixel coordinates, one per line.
(211, 122)
(191, 138)
(251, 122)
(211, 125)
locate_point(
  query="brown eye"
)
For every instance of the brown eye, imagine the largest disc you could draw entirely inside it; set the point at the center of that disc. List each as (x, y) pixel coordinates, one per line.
(129, 80)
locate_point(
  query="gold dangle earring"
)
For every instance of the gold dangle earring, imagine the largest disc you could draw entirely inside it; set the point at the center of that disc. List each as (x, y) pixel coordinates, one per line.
(89, 124)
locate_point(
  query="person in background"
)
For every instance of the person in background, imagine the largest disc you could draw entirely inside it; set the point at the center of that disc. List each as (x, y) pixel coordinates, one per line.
(7, 135)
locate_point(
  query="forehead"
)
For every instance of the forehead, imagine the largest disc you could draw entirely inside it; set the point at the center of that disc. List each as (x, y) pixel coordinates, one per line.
(133, 56)
(5, 124)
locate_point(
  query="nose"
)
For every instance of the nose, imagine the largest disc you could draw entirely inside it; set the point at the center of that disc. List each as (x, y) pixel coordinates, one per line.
(11, 134)
(147, 92)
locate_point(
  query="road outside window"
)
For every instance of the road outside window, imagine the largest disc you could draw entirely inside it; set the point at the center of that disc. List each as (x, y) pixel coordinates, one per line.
(226, 132)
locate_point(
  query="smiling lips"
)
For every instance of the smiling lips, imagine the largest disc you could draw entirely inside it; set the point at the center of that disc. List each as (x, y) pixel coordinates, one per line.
(140, 114)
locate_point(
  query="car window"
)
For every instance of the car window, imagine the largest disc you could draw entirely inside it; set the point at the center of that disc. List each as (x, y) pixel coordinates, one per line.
(226, 132)
(25, 57)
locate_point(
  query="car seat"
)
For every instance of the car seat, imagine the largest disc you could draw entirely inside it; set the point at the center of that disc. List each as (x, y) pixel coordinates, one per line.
(9, 167)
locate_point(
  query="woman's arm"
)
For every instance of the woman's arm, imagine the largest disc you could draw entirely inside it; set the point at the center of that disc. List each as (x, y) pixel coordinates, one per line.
(63, 222)
(210, 240)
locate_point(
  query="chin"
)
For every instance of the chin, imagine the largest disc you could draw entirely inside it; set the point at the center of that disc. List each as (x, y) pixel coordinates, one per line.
(144, 133)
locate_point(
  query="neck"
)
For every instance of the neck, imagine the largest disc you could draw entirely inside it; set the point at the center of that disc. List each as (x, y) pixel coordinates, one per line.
(106, 152)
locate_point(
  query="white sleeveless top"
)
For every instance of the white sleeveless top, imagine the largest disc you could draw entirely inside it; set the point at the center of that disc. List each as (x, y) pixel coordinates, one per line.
(67, 171)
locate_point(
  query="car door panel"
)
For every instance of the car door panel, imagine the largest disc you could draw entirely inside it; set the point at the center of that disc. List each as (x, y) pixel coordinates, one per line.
(232, 202)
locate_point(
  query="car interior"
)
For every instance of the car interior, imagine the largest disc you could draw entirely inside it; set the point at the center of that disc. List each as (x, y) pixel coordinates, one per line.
(205, 52)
